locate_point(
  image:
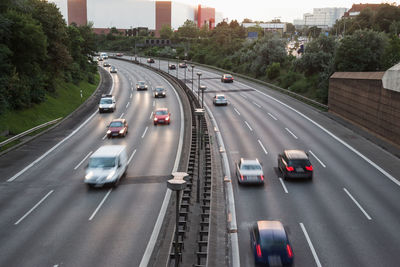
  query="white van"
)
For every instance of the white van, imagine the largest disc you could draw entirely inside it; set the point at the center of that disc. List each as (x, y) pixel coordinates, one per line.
(104, 55)
(106, 166)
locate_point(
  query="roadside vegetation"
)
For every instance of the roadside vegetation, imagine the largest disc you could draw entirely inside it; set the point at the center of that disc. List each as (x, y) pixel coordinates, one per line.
(367, 42)
(43, 64)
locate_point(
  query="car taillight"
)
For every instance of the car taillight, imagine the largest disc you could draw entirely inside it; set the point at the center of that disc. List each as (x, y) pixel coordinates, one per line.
(259, 254)
(309, 168)
(289, 168)
(241, 177)
(262, 177)
(289, 251)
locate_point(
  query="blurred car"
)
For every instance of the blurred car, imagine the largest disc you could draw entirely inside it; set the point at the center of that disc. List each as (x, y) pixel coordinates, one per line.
(270, 244)
(159, 91)
(220, 100)
(295, 164)
(100, 58)
(227, 78)
(249, 171)
(141, 85)
(117, 127)
(150, 60)
(106, 64)
(119, 54)
(113, 69)
(162, 116)
(182, 65)
(107, 103)
(171, 66)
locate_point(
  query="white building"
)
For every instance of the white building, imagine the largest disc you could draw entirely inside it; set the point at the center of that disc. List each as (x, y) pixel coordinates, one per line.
(321, 17)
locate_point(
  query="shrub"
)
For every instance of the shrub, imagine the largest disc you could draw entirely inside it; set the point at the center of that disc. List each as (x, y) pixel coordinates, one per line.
(273, 70)
(289, 79)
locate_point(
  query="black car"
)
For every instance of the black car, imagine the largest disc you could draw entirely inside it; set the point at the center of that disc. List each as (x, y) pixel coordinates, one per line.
(171, 66)
(295, 164)
(159, 91)
(270, 244)
(150, 60)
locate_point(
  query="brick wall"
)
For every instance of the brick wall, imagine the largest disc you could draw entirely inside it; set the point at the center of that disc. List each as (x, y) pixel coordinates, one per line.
(77, 12)
(360, 98)
(163, 15)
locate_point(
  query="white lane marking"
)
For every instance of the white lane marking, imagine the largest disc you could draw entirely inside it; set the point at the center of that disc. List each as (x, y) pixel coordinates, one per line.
(154, 103)
(151, 115)
(79, 164)
(101, 204)
(263, 148)
(283, 185)
(160, 219)
(248, 125)
(121, 115)
(358, 204)
(34, 207)
(237, 111)
(256, 104)
(272, 116)
(127, 105)
(310, 245)
(295, 137)
(243, 96)
(131, 157)
(104, 137)
(145, 131)
(355, 151)
(320, 162)
(130, 96)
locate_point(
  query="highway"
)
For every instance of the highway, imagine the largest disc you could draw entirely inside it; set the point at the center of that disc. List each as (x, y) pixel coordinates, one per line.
(50, 218)
(347, 216)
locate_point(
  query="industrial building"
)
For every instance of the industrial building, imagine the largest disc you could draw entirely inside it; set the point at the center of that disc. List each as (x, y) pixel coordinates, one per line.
(128, 14)
(321, 17)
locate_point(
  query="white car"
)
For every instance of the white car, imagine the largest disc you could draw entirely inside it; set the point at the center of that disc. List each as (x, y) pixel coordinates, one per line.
(220, 100)
(249, 171)
(107, 104)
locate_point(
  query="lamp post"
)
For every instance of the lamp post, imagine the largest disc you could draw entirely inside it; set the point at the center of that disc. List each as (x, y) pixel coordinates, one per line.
(168, 65)
(198, 87)
(192, 76)
(202, 88)
(159, 63)
(185, 70)
(178, 183)
(177, 66)
(198, 112)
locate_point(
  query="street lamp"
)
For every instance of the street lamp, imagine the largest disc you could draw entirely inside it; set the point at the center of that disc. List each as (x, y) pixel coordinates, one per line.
(202, 88)
(178, 183)
(177, 66)
(198, 87)
(192, 76)
(159, 63)
(185, 70)
(168, 65)
(199, 113)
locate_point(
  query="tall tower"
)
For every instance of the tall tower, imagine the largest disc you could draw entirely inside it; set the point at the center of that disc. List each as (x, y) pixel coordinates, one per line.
(163, 15)
(77, 12)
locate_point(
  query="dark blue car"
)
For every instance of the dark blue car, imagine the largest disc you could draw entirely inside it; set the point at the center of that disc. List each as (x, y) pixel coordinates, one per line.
(270, 244)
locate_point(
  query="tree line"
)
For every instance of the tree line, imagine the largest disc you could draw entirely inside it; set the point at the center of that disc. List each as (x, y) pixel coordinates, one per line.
(38, 49)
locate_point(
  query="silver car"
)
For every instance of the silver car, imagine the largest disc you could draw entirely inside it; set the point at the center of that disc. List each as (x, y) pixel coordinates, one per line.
(220, 100)
(141, 85)
(107, 103)
(249, 171)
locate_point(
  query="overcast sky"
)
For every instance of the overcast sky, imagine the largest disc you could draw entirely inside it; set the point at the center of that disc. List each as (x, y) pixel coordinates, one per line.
(266, 10)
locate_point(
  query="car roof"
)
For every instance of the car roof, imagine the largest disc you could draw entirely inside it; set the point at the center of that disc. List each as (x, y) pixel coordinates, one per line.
(250, 161)
(121, 120)
(107, 151)
(295, 154)
(218, 95)
(271, 229)
(141, 82)
(160, 109)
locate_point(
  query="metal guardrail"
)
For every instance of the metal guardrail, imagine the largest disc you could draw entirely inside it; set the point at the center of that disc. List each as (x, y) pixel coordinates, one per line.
(19, 136)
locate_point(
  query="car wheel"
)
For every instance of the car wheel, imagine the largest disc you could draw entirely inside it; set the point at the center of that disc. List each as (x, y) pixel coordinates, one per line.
(155, 124)
(89, 186)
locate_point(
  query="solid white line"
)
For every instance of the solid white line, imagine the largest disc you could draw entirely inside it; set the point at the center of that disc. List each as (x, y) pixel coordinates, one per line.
(272, 116)
(127, 105)
(373, 164)
(310, 245)
(34, 207)
(145, 131)
(79, 164)
(131, 157)
(237, 111)
(358, 204)
(265, 151)
(256, 104)
(295, 137)
(130, 96)
(121, 115)
(248, 125)
(151, 115)
(323, 165)
(101, 204)
(283, 185)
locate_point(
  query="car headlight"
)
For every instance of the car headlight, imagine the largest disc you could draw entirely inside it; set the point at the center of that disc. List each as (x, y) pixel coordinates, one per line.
(156, 93)
(108, 132)
(89, 175)
(163, 93)
(121, 131)
(111, 175)
(155, 119)
(167, 119)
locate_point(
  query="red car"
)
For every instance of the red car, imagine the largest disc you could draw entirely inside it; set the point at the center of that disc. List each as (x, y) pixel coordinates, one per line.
(227, 78)
(162, 116)
(117, 127)
(119, 54)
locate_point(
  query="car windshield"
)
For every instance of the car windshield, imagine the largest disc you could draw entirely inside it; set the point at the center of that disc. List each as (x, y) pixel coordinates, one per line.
(228, 76)
(221, 97)
(116, 124)
(141, 83)
(161, 112)
(159, 89)
(299, 162)
(106, 101)
(250, 167)
(101, 162)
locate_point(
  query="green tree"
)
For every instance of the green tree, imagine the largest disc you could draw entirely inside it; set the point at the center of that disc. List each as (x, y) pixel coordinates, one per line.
(273, 70)
(188, 30)
(290, 28)
(391, 55)
(166, 31)
(385, 15)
